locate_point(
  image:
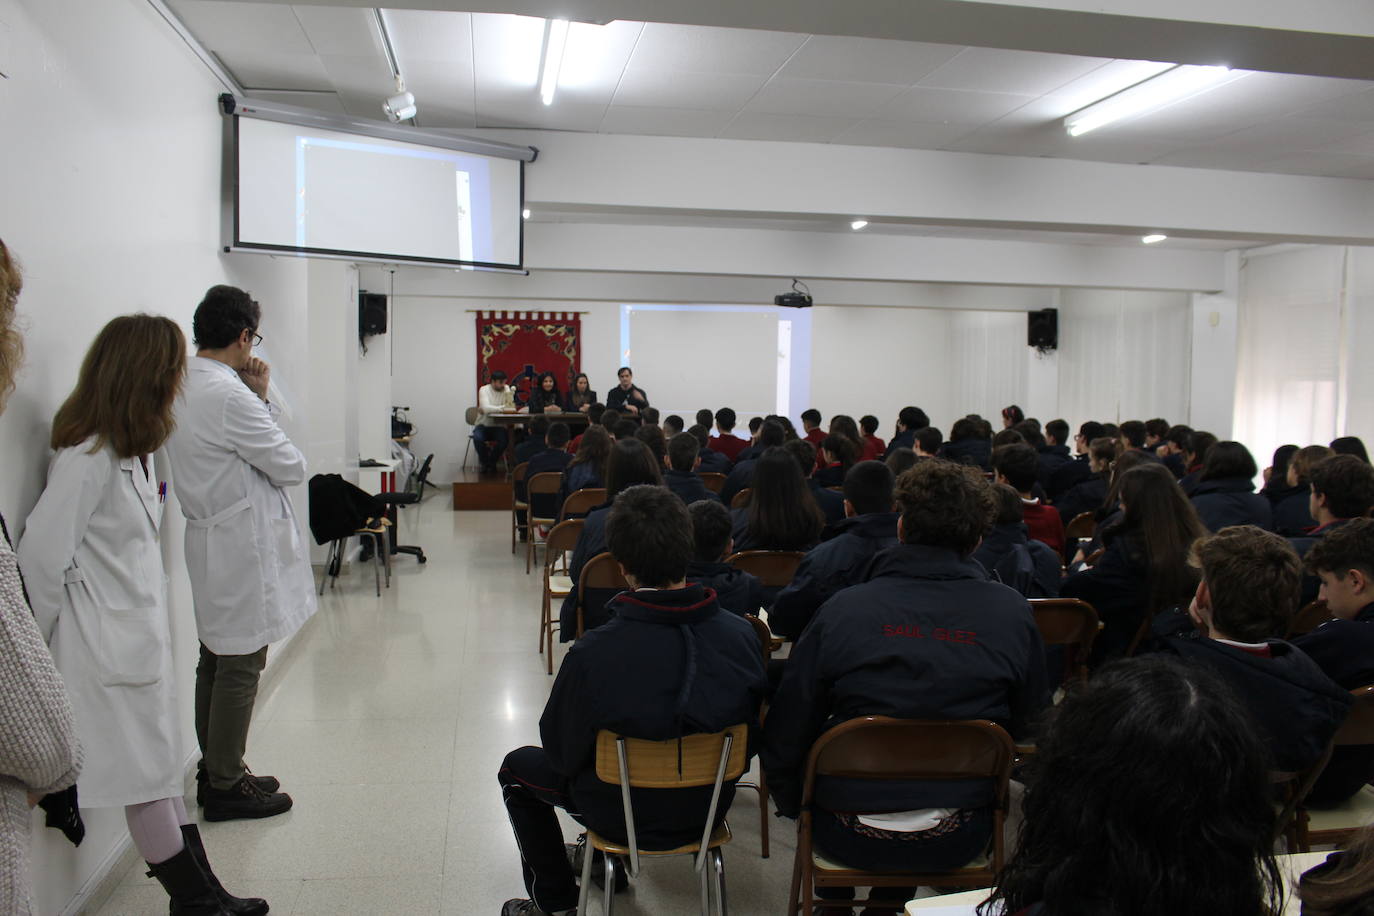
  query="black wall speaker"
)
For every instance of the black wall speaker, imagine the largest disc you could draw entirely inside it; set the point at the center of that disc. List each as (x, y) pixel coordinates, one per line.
(371, 314)
(1042, 329)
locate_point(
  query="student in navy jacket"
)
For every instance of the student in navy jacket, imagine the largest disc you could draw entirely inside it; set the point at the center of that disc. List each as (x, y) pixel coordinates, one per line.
(670, 663)
(1292, 501)
(1079, 467)
(1247, 594)
(712, 461)
(967, 445)
(1342, 488)
(870, 526)
(779, 516)
(926, 637)
(1089, 494)
(554, 458)
(1343, 647)
(680, 474)
(737, 591)
(1225, 494)
(771, 434)
(1011, 556)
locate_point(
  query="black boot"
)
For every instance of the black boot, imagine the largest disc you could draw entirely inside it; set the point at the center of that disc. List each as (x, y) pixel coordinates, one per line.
(182, 879)
(268, 784)
(239, 906)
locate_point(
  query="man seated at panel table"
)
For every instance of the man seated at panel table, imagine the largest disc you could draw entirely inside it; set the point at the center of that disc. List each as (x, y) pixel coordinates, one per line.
(680, 470)
(626, 397)
(490, 439)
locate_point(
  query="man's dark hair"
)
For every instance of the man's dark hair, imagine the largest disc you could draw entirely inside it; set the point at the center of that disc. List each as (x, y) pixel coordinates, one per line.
(1057, 432)
(1018, 463)
(1111, 429)
(1010, 509)
(1228, 459)
(609, 418)
(1158, 428)
(1092, 430)
(224, 314)
(754, 424)
(650, 534)
(771, 433)
(682, 452)
(650, 416)
(1007, 437)
(558, 435)
(539, 426)
(868, 487)
(1350, 445)
(1199, 444)
(1345, 547)
(869, 424)
(803, 452)
(1254, 577)
(705, 418)
(944, 504)
(1133, 431)
(1177, 436)
(672, 424)
(653, 437)
(498, 375)
(1347, 483)
(630, 464)
(901, 459)
(929, 439)
(625, 429)
(913, 418)
(811, 415)
(701, 434)
(725, 419)
(595, 412)
(711, 528)
(966, 428)
(624, 369)
(1030, 433)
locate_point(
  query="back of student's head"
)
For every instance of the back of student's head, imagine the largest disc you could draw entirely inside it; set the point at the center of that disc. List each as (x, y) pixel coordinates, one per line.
(711, 529)
(965, 428)
(1177, 436)
(771, 433)
(1012, 415)
(1254, 578)
(1106, 824)
(222, 316)
(682, 452)
(901, 459)
(595, 413)
(1346, 547)
(1348, 886)
(984, 427)
(844, 425)
(1111, 429)
(1278, 465)
(1091, 430)
(1200, 443)
(672, 424)
(650, 534)
(841, 449)
(1018, 463)
(653, 437)
(705, 417)
(1102, 451)
(650, 416)
(868, 487)
(609, 418)
(811, 417)
(803, 453)
(625, 429)
(783, 515)
(1133, 431)
(594, 449)
(1007, 437)
(631, 463)
(701, 434)
(754, 424)
(929, 439)
(1305, 459)
(1228, 460)
(943, 504)
(1010, 509)
(1030, 433)
(1057, 432)
(1350, 445)
(913, 418)
(1155, 510)
(869, 424)
(539, 426)
(558, 435)
(725, 419)
(1347, 483)
(1156, 429)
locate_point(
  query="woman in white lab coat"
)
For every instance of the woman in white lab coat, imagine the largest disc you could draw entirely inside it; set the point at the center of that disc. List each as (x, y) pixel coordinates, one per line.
(93, 564)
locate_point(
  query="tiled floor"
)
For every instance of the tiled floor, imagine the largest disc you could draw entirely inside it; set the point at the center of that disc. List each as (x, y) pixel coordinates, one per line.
(388, 727)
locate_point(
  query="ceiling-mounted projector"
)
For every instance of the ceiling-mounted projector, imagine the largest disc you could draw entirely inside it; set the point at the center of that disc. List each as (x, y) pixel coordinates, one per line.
(798, 298)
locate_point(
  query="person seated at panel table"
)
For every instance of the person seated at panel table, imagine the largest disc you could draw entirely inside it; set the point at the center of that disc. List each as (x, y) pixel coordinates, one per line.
(1127, 770)
(927, 636)
(545, 397)
(627, 397)
(680, 470)
(581, 397)
(491, 439)
(870, 526)
(669, 663)
(727, 443)
(712, 461)
(737, 591)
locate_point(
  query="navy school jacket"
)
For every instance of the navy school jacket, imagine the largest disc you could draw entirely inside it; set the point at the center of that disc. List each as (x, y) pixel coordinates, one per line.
(1087, 495)
(1344, 649)
(904, 439)
(714, 462)
(550, 459)
(1291, 505)
(1063, 478)
(927, 636)
(590, 542)
(1011, 557)
(688, 486)
(1311, 585)
(737, 591)
(1231, 501)
(830, 566)
(969, 451)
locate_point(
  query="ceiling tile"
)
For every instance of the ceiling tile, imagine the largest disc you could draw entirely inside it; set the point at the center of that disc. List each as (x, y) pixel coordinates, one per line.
(687, 89)
(868, 60)
(349, 31)
(1017, 72)
(430, 35)
(506, 50)
(907, 134)
(757, 125)
(1356, 106)
(268, 70)
(665, 122)
(595, 58)
(1331, 165)
(1293, 134)
(563, 114)
(922, 103)
(822, 98)
(359, 75)
(683, 47)
(256, 27)
(440, 115)
(442, 89)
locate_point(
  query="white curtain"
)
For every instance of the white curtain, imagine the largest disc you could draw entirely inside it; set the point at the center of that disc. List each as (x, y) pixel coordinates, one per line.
(987, 363)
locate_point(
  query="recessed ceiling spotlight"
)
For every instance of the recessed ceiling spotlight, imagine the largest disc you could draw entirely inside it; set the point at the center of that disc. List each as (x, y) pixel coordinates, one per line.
(1151, 239)
(858, 224)
(525, 213)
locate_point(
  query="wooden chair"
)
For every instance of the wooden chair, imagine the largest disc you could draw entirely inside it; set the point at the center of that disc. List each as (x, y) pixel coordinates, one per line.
(518, 477)
(601, 572)
(1308, 618)
(1081, 526)
(1337, 825)
(381, 555)
(1290, 822)
(883, 749)
(1070, 623)
(714, 480)
(766, 644)
(580, 502)
(561, 541)
(741, 499)
(678, 763)
(546, 484)
(773, 568)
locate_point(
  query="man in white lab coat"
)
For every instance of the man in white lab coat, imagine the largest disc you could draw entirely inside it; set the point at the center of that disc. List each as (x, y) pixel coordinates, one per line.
(250, 572)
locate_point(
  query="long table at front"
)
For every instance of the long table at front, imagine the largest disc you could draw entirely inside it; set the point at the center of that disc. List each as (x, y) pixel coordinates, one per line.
(514, 418)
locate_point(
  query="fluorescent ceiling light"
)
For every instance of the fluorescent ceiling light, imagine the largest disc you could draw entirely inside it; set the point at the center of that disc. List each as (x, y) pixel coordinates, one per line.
(858, 224)
(555, 41)
(1151, 239)
(1170, 87)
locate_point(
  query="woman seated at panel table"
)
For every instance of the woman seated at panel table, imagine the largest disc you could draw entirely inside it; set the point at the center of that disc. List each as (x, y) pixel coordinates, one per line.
(544, 396)
(581, 398)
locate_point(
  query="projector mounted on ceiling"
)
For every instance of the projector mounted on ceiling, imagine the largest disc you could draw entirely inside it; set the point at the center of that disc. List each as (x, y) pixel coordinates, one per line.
(796, 299)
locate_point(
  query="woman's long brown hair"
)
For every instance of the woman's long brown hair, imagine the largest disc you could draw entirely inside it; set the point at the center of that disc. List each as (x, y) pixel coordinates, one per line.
(1349, 883)
(128, 383)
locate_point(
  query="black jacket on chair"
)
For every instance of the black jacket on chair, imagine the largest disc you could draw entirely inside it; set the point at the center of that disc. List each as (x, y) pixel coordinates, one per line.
(1231, 501)
(829, 567)
(338, 508)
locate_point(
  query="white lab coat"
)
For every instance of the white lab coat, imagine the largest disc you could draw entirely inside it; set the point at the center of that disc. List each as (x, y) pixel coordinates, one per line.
(250, 571)
(93, 568)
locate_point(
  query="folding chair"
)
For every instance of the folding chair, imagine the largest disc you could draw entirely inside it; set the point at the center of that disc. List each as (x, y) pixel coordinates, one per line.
(602, 572)
(773, 568)
(678, 763)
(1081, 526)
(545, 484)
(561, 541)
(766, 644)
(518, 505)
(1070, 623)
(471, 416)
(1320, 826)
(1308, 618)
(381, 556)
(714, 480)
(580, 502)
(883, 749)
(741, 499)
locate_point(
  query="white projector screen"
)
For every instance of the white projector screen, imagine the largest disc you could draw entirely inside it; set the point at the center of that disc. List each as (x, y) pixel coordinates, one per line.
(313, 191)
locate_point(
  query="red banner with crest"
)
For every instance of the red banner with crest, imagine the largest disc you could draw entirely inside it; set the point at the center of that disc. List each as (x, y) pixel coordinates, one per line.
(526, 344)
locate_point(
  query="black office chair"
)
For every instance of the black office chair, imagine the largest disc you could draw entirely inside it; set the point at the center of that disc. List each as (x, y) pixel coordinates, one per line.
(410, 496)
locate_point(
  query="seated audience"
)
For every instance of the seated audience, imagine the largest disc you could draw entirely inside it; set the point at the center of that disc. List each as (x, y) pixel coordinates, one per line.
(630, 464)
(712, 461)
(771, 435)
(581, 398)
(1342, 488)
(1011, 556)
(927, 636)
(545, 396)
(1132, 436)
(1018, 467)
(927, 442)
(811, 425)
(705, 418)
(627, 397)
(1343, 647)
(727, 443)
(1011, 416)
(874, 448)
(669, 664)
(737, 591)
(1155, 432)
(1090, 493)
(781, 515)
(1247, 594)
(1343, 885)
(1293, 503)
(595, 414)
(554, 458)
(653, 437)
(672, 425)
(869, 526)
(837, 454)
(1007, 437)
(1144, 568)
(828, 501)
(909, 420)
(1350, 445)
(1276, 475)
(680, 473)
(1225, 493)
(898, 460)
(623, 429)
(754, 424)
(1173, 451)
(1071, 472)
(650, 416)
(844, 425)
(533, 444)
(968, 445)
(588, 467)
(1105, 794)
(1199, 444)
(1054, 451)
